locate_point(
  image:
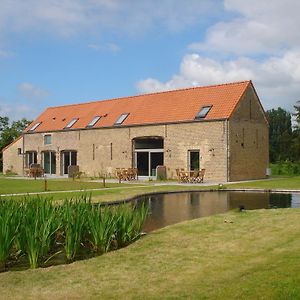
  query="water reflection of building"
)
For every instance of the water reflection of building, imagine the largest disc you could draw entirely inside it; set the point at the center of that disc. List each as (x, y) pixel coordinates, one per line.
(173, 208)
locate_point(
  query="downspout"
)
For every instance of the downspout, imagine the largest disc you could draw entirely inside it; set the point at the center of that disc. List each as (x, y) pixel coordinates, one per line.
(227, 150)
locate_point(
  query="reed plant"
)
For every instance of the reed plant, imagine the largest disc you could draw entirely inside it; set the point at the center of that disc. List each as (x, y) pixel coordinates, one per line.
(74, 218)
(38, 229)
(101, 225)
(129, 223)
(8, 228)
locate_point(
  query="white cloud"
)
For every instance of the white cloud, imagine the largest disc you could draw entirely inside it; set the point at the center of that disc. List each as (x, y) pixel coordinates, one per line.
(261, 27)
(277, 79)
(31, 92)
(28, 102)
(18, 111)
(6, 54)
(262, 43)
(112, 47)
(68, 17)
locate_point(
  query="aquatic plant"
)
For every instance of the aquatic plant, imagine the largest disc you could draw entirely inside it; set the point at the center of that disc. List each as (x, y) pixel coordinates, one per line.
(38, 228)
(74, 218)
(129, 223)
(101, 225)
(8, 227)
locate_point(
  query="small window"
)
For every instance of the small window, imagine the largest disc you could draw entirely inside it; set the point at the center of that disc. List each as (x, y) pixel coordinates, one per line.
(94, 121)
(47, 139)
(71, 123)
(35, 126)
(203, 112)
(121, 119)
(19, 151)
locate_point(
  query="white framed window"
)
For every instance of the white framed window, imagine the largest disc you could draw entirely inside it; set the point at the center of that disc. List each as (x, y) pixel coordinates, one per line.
(121, 119)
(30, 158)
(94, 121)
(35, 126)
(71, 123)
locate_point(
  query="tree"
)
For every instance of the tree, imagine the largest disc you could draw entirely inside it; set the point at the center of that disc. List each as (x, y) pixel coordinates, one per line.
(9, 132)
(280, 134)
(297, 114)
(296, 133)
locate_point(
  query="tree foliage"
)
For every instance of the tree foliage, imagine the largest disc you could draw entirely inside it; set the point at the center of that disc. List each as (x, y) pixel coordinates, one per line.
(280, 134)
(284, 137)
(9, 131)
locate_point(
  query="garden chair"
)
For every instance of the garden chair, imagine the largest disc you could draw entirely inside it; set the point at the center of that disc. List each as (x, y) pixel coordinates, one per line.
(200, 176)
(194, 176)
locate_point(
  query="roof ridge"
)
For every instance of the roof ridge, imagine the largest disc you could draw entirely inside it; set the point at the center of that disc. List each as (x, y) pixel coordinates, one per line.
(149, 94)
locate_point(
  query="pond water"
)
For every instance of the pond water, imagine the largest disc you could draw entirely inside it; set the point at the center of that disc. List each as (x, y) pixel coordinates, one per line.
(167, 209)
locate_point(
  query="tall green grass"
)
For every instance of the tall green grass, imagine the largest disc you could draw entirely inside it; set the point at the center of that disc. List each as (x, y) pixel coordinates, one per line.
(74, 218)
(129, 223)
(38, 229)
(102, 226)
(9, 225)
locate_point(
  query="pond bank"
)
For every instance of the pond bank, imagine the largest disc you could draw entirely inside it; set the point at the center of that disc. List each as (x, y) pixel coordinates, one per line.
(249, 255)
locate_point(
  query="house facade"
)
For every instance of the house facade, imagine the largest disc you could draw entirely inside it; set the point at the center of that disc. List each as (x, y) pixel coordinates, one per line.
(221, 128)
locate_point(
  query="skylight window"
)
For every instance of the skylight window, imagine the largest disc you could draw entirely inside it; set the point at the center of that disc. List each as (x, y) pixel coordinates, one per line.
(35, 126)
(94, 121)
(121, 119)
(71, 123)
(203, 112)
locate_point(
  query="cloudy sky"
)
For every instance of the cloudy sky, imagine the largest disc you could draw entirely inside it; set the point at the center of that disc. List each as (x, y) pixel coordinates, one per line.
(55, 52)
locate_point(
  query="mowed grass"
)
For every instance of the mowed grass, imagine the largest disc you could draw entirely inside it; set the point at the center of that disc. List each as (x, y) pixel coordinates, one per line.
(12, 186)
(292, 182)
(255, 257)
(116, 191)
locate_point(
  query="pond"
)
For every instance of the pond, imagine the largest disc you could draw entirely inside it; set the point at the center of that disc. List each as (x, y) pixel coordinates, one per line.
(167, 209)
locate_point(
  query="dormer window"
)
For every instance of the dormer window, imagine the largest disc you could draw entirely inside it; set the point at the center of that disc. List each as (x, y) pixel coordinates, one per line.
(94, 121)
(35, 126)
(71, 123)
(203, 112)
(121, 119)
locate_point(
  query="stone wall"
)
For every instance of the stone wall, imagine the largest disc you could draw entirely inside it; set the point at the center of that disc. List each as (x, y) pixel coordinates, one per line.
(102, 150)
(248, 139)
(12, 160)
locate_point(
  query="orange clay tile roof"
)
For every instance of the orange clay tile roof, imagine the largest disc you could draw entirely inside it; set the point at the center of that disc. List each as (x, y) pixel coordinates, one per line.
(164, 107)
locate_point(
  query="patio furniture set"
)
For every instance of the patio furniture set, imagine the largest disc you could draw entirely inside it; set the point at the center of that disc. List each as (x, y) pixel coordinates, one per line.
(194, 176)
(127, 174)
(35, 170)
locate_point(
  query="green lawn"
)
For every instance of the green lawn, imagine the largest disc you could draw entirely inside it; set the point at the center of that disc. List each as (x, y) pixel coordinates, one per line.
(292, 182)
(11, 185)
(255, 257)
(123, 191)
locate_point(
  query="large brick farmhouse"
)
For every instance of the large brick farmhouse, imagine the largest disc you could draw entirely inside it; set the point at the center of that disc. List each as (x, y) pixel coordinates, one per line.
(222, 128)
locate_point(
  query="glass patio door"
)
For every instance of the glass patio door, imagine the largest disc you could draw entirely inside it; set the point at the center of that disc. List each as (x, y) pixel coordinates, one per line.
(69, 159)
(147, 160)
(49, 162)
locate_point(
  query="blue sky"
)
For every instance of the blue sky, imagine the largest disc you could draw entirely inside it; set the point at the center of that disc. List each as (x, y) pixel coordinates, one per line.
(56, 52)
